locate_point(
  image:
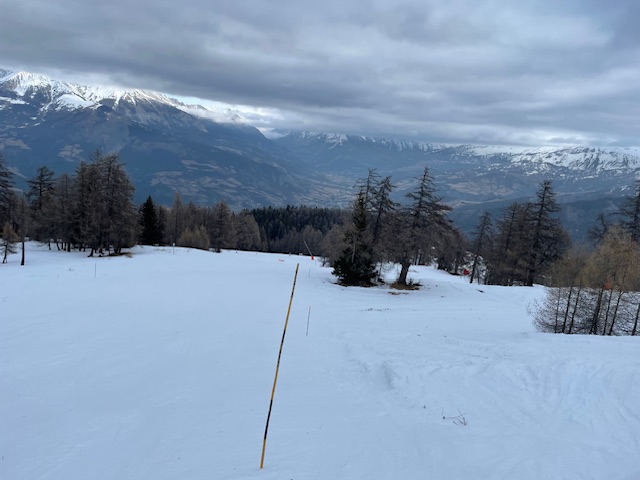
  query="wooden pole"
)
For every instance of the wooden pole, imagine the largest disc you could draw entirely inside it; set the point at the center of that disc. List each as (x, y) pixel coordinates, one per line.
(275, 379)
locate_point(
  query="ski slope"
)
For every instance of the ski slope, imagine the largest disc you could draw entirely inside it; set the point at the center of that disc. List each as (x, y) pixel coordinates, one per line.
(160, 366)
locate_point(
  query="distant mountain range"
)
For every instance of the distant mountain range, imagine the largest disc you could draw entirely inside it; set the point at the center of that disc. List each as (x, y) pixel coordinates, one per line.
(169, 146)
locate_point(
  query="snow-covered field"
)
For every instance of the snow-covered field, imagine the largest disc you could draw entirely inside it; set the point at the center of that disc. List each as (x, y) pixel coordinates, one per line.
(160, 366)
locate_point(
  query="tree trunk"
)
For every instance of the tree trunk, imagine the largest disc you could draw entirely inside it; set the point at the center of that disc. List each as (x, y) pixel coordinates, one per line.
(575, 310)
(615, 312)
(473, 269)
(404, 271)
(635, 323)
(557, 315)
(22, 261)
(596, 313)
(566, 312)
(606, 315)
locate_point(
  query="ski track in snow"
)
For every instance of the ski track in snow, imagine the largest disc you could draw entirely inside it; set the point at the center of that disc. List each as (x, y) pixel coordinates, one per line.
(161, 366)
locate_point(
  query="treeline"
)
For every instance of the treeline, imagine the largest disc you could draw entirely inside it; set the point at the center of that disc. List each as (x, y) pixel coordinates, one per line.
(205, 227)
(297, 229)
(93, 210)
(282, 230)
(518, 250)
(90, 210)
(524, 242)
(381, 230)
(597, 291)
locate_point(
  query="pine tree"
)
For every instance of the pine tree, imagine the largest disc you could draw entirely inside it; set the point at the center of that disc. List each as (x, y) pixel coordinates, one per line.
(355, 266)
(149, 232)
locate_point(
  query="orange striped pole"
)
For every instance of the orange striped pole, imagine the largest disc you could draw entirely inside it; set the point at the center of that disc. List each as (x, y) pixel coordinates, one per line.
(275, 380)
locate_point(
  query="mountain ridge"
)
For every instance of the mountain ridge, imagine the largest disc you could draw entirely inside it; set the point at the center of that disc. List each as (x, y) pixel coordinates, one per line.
(169, 146)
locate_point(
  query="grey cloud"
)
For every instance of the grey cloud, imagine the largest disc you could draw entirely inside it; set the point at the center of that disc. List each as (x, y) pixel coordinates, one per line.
(456, 70)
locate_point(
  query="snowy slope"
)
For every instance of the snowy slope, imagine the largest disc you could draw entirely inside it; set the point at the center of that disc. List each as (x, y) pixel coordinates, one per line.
(160, 366)
(63, 95)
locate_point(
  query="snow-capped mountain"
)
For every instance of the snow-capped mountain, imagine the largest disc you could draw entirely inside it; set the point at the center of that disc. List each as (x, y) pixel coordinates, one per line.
(68, 96)
(580, 159)
(207, 155)
(167, 145)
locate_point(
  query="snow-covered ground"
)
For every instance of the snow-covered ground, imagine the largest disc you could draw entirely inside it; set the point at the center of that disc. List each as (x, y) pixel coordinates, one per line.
(160, 366)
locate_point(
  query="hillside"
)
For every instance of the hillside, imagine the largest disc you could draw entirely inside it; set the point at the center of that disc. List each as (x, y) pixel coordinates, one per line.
(165, 144)
(161, 366)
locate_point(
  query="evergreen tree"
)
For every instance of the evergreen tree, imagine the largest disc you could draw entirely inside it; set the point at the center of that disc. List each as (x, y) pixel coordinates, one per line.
(149, 232)
(161, 223)
(355, 265)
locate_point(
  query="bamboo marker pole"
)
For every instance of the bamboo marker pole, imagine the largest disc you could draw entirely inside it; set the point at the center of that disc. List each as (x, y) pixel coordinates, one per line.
(275, 379)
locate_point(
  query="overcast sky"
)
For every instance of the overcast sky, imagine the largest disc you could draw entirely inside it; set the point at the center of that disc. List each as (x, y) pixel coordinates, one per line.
(525, 72)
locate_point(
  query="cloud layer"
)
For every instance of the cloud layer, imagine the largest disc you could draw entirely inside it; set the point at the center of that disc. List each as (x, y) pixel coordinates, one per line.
(462, 71)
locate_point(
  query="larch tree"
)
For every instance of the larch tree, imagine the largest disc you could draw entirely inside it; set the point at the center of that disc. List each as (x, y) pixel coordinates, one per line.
(418, 225)
(630, 213)
(42, 205)
(247, 231)
(63, 212)
(7, 195)
(548, 239)
(221, 228)
(8, 243)
(481, 243)
(382, 206)
(506, 263)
